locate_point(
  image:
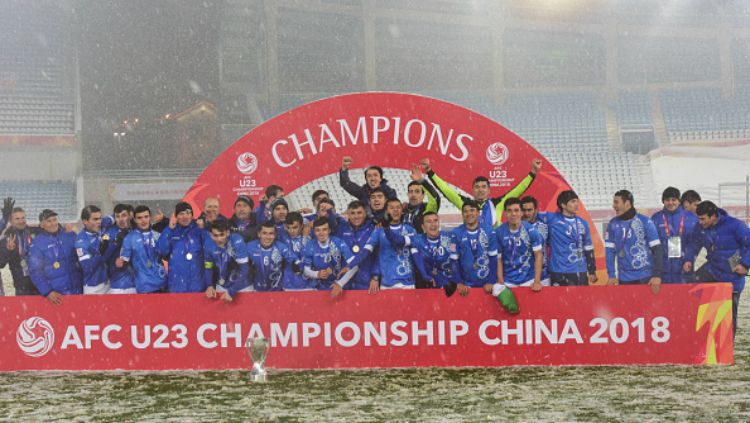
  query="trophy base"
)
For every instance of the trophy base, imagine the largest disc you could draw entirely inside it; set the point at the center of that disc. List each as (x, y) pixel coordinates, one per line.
(258, 376)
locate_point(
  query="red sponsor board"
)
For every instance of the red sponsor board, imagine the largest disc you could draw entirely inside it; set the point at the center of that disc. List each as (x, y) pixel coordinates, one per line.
(683, 324)
(392, 130)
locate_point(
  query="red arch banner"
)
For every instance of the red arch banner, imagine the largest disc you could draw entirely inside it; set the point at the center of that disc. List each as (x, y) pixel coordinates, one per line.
(386, 129)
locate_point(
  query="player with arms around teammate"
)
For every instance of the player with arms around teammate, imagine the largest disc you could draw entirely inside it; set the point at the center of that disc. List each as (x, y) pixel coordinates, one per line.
(326, 259)
(571, 249)
(432, 258)
(91, 247)
(296, 241)
(473, 251)
(519, 250)
(139, 253)
(225, 262)
(394, 260)
(121, 279)
(268, 258)
(632, 242)
(490, 209)
(355, 233)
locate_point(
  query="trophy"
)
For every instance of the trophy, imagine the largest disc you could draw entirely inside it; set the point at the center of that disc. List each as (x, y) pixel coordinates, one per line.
(257, 349)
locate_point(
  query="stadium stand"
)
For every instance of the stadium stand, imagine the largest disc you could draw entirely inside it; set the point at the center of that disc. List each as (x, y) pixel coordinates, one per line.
(634, 108)
(704, 115)
(32, 81)
(568, 129)
(35, 196)
(36, 104)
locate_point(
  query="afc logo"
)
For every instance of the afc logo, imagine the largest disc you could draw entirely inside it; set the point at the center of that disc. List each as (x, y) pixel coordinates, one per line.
(497, 153)
(247, 163)
(35, 336)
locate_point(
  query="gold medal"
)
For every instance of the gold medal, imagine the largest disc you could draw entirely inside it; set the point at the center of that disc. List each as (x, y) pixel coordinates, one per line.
(189, 256)
(622, 253)
(149, 264)
(105, 237)
(355, 248)
(56, 265)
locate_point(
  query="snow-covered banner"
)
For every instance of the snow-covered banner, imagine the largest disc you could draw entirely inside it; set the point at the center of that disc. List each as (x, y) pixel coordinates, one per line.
(683, 324)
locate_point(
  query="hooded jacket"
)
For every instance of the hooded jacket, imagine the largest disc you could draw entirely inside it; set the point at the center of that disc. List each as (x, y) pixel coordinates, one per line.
(729, 236)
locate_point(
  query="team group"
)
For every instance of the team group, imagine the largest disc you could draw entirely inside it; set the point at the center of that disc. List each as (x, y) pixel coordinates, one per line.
(377, 243)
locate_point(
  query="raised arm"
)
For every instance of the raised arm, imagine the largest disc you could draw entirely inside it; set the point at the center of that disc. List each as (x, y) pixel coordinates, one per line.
(451, 194)
(346, 183)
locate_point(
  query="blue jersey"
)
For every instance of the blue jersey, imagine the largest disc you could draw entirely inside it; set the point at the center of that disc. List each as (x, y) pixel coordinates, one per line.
(119, 278)
(543, 230)
(53, 263)
(629, 243)
(395, 262)
(334, 255)
(436, 257)
(93, 264)
(516, 250)
(679, 223)
(569, 239)
(139, 249)
(268, 264)
(226, 266)
(293, 278)
(356, 240)
(474, 255)
(183, 248)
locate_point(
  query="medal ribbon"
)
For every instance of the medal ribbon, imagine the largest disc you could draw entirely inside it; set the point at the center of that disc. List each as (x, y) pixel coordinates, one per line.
(56, 247)
(223, 261)
(365, 231)
(666, 225)
(24, 239)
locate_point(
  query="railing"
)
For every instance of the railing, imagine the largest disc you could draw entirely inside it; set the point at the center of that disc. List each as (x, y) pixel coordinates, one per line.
(130, 174)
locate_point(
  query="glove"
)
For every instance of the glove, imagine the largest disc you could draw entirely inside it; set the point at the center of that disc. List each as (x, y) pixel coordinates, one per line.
(380, 220)
(103, 246)
(121, 237)
(506, 298)
(450, 289)
(8, 205)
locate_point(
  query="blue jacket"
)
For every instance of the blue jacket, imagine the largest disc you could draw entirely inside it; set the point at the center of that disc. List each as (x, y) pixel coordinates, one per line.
(120, 278)
(356, 239)
(53, 264)
(729, 236)
(226, 266)
(183, 248)
(139, 250)
(680, 217)
(93, 264)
